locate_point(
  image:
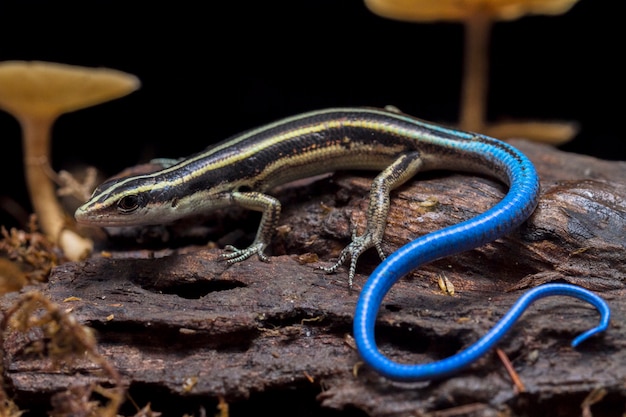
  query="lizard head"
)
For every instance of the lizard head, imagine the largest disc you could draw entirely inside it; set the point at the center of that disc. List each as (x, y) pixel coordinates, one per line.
(121, 202)
(155, 198)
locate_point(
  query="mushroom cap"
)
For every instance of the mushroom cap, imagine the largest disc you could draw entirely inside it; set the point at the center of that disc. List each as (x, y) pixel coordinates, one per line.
(460, 10)
(50, 89)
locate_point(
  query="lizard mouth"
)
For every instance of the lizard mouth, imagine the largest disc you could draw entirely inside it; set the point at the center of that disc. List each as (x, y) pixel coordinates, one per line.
(86, 216)
(81, 215)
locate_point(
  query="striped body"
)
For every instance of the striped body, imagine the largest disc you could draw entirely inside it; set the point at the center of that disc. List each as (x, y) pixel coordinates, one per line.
(241, 170)
(294, 148)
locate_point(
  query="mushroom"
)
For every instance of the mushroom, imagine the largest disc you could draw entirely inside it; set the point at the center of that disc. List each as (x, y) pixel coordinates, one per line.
(478, 16)
(36, 94)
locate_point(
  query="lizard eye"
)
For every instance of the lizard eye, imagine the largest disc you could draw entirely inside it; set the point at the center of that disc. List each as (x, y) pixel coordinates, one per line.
(128, 203)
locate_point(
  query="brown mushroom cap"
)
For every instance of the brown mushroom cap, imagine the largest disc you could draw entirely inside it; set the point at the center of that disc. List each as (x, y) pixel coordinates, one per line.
(455, 10)
(51, 89)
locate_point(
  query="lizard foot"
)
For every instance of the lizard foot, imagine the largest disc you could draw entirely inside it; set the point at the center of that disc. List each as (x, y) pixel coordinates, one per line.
(358, 245)
(234, 255)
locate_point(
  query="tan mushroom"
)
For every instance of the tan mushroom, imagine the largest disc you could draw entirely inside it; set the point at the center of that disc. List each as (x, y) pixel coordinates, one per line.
(36, 94)
(478, 16)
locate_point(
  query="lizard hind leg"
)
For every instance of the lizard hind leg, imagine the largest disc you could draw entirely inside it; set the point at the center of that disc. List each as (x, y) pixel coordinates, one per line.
(396, 174)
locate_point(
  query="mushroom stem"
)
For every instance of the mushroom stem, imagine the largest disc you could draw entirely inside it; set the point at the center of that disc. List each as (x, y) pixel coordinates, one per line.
(42, 190)
(475, 72)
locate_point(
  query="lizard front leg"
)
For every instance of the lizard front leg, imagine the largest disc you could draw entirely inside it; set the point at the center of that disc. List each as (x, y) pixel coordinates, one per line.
(270, 207)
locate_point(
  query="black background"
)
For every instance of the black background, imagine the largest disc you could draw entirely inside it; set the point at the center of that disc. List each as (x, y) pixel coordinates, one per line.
(211, 70)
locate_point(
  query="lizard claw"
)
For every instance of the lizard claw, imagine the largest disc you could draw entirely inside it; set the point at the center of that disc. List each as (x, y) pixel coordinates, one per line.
(234, 255)
(358, 245)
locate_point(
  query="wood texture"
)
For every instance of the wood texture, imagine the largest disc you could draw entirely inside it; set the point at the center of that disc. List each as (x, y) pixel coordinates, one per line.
(183, 329)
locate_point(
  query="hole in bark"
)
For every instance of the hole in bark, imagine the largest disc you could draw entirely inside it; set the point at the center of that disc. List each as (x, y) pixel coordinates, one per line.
(199, 289)
(303, 321)
(282, 399)
(163, 338)
(394, 308)
(192, 290)
(421, 341)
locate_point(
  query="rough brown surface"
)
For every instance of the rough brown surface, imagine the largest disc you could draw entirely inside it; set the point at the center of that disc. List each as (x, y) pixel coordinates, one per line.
(184, 330)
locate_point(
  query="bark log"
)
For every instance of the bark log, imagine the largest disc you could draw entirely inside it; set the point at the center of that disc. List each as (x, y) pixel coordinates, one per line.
(184, 329)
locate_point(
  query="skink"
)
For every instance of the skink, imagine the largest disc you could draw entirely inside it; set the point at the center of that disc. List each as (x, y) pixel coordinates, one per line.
(243, 169)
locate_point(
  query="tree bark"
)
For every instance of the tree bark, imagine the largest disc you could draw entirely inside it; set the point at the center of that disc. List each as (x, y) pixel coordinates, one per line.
(184, 330)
